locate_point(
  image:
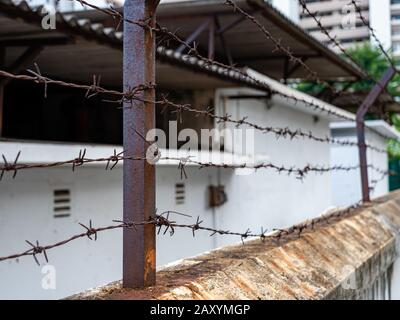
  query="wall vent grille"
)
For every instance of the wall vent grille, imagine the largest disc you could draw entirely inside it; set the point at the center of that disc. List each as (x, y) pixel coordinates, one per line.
(180, 193)
(62, 203)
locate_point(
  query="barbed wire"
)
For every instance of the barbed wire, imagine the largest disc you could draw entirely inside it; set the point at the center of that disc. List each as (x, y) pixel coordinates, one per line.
(91, 90)
(146, 23)
(277, 131)
(133, 94)
(279, 47)
(332, 39)
(383, 175)
(373, 34)
(162, 221)
(111, 161)
(337, 43)
(164, 224)
(208, 63)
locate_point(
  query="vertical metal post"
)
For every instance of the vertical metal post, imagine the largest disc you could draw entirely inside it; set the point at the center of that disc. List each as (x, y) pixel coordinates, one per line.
(139, 247)
(211, 39)
(362, 148)
(286, 63)
(362, 154)
(2, 65)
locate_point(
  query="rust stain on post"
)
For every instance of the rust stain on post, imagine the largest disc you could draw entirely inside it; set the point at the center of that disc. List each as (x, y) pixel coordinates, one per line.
(139, 176)
(2, 64)
(361, 112)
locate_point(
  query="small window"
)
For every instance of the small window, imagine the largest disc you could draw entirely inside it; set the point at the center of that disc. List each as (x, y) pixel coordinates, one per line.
(180, 193)
(62, 203)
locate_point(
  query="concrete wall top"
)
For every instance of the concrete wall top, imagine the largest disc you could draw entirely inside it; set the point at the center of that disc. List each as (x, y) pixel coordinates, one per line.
(312, 260)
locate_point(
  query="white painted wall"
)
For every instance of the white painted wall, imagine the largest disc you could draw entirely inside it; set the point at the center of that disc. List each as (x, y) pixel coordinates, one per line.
(267, 198)
(26, 213)
(346, 186)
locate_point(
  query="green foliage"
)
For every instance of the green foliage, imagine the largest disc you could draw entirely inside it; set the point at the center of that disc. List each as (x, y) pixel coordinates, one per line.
(394, 145)
(371, 60)
(375, 63)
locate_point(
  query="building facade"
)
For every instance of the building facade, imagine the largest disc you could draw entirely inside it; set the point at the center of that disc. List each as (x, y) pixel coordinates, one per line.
(290, 8)
(338, 17)
(342, 21)
(29, 203)
(48, 204)
(346, 186)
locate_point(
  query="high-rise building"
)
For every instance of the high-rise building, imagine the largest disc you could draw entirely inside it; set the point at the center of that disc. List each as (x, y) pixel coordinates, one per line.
(395, 26)
(290, 8)
(339, 18)
(342, 21)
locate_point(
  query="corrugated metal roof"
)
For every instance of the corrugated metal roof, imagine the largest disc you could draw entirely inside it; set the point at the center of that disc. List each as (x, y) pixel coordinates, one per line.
(247, 44)
(88, 48)
(95, 49)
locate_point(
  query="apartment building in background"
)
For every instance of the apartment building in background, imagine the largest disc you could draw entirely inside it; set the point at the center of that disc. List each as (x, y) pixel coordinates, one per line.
(395, 26)
(341, 20)
(338, 18)
(290, 8)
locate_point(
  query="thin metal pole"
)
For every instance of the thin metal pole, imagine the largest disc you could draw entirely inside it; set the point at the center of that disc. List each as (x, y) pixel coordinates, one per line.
(362, 148)
(211, 39)
(2, 85)
(362, 154)
(139, 245)
(196, 33)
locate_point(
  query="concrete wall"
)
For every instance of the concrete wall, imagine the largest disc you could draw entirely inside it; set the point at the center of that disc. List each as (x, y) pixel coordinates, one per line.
(26, 213)
(268, 198)
(342, 255)
(346, 186)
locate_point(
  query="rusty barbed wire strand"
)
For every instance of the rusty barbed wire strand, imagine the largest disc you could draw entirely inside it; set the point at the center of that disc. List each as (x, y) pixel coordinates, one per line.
(208, 63)
(373, 34)
(81, 159)
(288, 53)
(337, 43)
(277, 131)
(279, 47)
(333, 39)
(299, 172)
(95, 88)
(383, 175)
(91, 90)
(162, 220)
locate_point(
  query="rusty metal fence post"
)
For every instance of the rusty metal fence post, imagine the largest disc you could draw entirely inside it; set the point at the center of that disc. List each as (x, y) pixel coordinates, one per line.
(2, 65)
(361, 112)
(139, 256)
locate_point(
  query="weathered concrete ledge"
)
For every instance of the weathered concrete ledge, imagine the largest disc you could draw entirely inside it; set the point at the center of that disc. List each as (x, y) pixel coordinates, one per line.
(347, 258)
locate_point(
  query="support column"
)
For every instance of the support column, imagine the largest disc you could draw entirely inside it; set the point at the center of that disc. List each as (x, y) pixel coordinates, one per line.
(2, 85)
(361, 112)
(139, 245)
